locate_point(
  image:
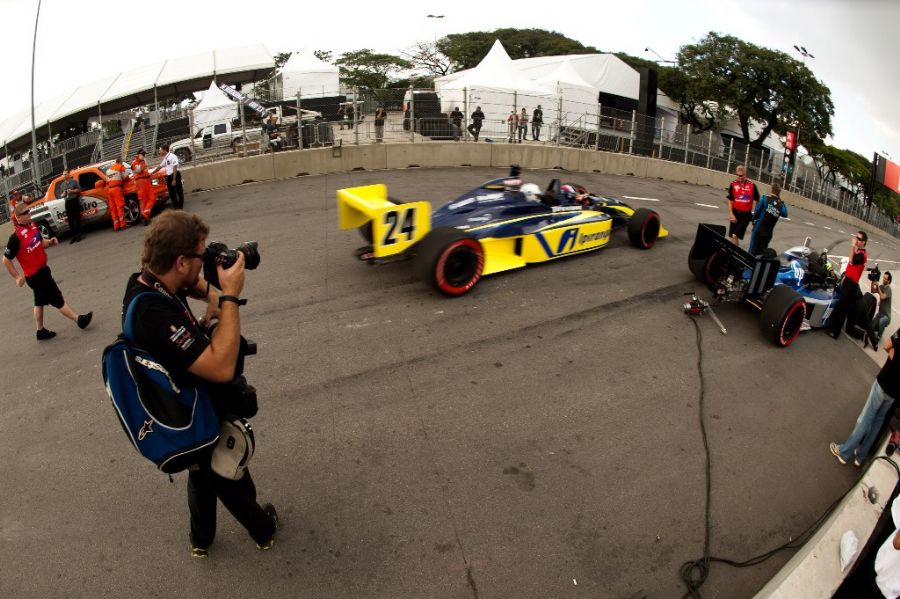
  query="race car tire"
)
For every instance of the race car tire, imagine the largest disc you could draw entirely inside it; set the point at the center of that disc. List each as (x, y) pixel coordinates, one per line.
(44, 229)
(697, 266)
(132, 210)
(782, 315)
(450, 260)
(713, 269)
(643, 228)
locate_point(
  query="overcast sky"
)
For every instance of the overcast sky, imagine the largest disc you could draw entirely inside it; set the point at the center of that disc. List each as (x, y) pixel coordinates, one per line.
(855, 43)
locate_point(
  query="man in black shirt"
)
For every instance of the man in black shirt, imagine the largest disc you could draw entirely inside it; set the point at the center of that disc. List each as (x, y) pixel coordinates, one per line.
(477, 121)
(73, 205)
(166, 328)
(456, 117)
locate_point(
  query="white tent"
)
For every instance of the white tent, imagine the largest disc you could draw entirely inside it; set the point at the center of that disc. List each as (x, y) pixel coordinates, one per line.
(306, 74)
(495, 84)
(215, 107)
(575, 97)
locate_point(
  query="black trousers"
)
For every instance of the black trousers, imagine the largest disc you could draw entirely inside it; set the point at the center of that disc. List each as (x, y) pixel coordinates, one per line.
(850, 294)
(238, 496)
(760, 242)
(474, 129)
(73, 213)
(176, 191)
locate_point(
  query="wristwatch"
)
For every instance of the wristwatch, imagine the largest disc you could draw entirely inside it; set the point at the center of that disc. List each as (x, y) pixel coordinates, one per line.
(231, 298)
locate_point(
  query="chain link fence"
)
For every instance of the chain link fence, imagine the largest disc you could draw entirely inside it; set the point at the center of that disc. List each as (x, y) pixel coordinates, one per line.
(566, 118)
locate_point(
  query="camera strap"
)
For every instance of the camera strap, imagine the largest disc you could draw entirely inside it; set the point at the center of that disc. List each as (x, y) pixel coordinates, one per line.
(149, 279)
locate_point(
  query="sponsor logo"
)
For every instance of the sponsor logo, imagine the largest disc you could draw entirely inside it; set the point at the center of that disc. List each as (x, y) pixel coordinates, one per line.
(461, 203)
(490, 197)
(480, 219)
(146, 429)
(181, 337)
(567, 208)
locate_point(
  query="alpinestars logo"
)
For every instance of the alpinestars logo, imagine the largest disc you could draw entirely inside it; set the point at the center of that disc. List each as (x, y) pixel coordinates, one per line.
(145, 430)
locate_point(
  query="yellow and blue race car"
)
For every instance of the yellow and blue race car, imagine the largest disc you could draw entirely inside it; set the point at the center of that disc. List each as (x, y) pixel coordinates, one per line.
(498, 226)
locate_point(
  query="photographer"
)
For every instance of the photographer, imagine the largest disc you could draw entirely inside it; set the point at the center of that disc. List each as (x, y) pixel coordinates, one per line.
(883, 317)
(849, 289)
(172, 260)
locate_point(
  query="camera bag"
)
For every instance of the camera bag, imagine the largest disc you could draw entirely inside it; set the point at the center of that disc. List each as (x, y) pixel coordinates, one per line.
(168, 423)
(234, 449)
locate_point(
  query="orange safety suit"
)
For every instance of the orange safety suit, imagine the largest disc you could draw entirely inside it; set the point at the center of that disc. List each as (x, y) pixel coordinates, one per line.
(144, 188)
(116, 175)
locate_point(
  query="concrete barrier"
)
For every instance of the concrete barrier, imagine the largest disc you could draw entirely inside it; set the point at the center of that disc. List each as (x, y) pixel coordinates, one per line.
(322, 161)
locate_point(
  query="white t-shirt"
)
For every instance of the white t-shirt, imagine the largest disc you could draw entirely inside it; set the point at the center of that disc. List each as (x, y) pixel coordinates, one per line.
(169, 163)
(887, 562)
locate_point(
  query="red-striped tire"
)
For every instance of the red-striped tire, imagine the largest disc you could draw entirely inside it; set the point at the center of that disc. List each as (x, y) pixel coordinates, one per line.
(450, 260)
(643, 228)
(782, 315)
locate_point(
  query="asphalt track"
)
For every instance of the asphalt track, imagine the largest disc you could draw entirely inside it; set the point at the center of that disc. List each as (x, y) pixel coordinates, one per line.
(538, 437)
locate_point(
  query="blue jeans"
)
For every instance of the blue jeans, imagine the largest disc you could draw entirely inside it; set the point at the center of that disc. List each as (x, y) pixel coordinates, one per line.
(879, 323)
(867, 425)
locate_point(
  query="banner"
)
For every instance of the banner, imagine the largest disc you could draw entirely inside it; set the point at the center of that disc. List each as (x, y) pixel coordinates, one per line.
(887, 173)
(238, 96)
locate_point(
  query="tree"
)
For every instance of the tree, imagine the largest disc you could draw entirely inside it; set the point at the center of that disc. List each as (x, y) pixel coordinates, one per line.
(425, 56)
(369, 70)
(323, 55)
(465, 50)
(281, 58)
(722, 77)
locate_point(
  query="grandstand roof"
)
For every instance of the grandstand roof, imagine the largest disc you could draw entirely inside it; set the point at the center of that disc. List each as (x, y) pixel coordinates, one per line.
(136, 87)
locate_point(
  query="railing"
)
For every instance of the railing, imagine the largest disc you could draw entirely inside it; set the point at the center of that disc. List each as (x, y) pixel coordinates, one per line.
(566, 122)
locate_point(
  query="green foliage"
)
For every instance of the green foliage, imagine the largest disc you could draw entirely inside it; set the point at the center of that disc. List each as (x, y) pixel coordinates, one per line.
(426, 57)
(281, 58)
(465, 50)
(366, 69)
(323, 55)
(724, 78)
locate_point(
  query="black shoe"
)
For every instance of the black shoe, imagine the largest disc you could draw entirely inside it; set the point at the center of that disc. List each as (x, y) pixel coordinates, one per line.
(44, 334)
(866, 340)
(73, 240)
(269, 509)
(84, 320)
(834, 335)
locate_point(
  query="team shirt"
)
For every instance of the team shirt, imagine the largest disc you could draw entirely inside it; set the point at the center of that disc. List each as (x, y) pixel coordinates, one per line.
(26, 246)
(743, 195)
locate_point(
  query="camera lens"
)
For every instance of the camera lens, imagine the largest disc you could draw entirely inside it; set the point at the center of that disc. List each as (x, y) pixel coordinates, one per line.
(250, 249)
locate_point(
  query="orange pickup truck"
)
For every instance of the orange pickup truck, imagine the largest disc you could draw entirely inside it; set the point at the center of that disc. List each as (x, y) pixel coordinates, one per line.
(49, 213)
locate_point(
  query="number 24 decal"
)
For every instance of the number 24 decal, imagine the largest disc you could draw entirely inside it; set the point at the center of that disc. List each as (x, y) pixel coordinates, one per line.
(392, 220)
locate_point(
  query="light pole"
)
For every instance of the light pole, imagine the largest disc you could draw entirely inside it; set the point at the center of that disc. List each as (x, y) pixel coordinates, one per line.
(804, 53)
(35, 167)
(434, 25)
(661, 59)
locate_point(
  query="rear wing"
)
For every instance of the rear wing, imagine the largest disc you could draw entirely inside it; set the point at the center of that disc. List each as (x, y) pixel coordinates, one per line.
(394, 227)
(711, 240)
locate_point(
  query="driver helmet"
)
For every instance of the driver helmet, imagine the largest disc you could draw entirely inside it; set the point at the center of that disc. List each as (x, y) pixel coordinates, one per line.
(567, 192)
(531, 192)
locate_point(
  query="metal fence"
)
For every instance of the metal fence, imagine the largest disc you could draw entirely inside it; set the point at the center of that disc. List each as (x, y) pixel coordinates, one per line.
(415, 116)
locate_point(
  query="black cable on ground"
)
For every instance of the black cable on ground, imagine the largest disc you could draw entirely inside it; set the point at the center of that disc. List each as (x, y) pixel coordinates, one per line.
(694, 573)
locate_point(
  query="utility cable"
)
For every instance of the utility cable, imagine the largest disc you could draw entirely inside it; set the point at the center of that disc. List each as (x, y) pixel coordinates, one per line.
(695, 572)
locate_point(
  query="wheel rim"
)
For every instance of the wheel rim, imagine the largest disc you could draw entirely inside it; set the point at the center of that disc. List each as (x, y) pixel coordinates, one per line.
(459, 267)
(713, 269)
(793, 321)
(650, 231)
(132, 212)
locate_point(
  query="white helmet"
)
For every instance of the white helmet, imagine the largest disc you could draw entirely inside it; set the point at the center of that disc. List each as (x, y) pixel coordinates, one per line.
(531, 192)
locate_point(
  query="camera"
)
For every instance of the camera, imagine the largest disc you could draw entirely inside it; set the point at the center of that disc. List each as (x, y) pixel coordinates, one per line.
(237, 397)
(217, 253)
(874, 273)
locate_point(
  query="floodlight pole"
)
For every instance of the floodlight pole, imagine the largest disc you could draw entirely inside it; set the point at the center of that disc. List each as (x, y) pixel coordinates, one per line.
(35, 167)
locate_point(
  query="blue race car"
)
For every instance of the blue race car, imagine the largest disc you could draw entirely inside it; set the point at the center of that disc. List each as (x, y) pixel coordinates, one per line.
(794, 293)
(500, 225)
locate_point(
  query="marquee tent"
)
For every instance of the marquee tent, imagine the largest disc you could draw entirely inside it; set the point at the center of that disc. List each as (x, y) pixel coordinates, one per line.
(215, 107)
(306, 74)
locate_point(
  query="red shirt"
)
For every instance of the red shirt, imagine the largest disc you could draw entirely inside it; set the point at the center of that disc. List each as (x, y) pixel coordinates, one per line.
(743, 195)
(30, 252)
(139, 168)
(854, 271)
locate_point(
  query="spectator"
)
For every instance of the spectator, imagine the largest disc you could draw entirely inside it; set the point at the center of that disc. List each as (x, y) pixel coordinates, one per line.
(537, 119)
(883, 317)
(512, 122)
(172, 265)
(849, 291)
(173, 176)
(73, 205)
(342, 115)
(523, 125)
(380, 116)
(349, 111)
(456, 117)
(27, 246)
(477, 121)
(765, 216)
(882, 394)
(742, 196)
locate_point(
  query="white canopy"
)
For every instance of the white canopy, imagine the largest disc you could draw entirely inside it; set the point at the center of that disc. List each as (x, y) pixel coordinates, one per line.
(305, 74)
(495, 84)
(215, 107)
(136, 87)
